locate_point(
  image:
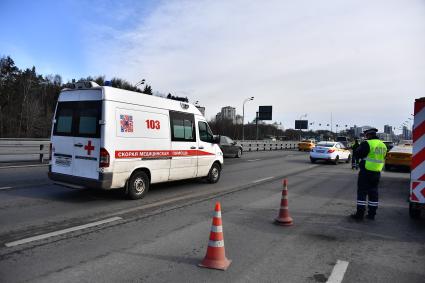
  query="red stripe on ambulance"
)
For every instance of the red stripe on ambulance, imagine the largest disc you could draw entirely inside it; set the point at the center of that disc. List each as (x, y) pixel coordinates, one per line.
(120, 154)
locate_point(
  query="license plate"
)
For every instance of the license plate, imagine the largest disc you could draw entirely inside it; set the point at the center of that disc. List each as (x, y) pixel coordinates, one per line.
(63, 161)
(320, 151)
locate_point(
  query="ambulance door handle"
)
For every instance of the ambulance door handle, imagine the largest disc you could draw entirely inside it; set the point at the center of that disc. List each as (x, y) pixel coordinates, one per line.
(201, 147)
(193, 147)
(78, 145)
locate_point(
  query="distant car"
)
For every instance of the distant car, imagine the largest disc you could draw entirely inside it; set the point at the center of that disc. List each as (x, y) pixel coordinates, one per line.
(306, 145)
(344, 140)
(399, 156)
(330, 151)
(229, 147)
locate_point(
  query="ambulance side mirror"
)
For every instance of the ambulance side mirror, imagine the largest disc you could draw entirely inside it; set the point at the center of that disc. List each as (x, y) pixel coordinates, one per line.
(216, 139)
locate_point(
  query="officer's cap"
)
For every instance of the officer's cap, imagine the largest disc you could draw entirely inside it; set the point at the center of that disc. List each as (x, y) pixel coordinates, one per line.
(370, 131)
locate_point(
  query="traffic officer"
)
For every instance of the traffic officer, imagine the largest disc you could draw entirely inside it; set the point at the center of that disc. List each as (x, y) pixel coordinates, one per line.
(355, 160)
(372, 153)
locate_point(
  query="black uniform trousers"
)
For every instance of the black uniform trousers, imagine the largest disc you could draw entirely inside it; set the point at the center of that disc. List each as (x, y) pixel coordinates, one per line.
(367, 192)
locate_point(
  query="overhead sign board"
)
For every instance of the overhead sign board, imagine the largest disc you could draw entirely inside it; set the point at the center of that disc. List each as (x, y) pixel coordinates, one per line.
(265, 112)
(301, 124)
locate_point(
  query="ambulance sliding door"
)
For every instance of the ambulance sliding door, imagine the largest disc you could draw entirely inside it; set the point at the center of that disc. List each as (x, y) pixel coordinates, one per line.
(184, 146)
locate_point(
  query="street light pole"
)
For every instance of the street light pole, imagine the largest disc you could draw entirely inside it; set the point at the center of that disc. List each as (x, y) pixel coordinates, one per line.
(243, 115)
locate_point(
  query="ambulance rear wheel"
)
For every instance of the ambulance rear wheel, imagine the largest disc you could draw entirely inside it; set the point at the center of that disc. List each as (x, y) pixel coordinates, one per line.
(138, 185)
(214, 174)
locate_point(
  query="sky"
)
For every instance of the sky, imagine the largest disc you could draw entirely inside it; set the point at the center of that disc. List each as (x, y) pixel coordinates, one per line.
(363, 62)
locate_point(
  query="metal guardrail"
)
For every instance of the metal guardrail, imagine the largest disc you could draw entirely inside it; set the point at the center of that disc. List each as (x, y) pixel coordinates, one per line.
(24, 149)
(253, 145)
(30, 149)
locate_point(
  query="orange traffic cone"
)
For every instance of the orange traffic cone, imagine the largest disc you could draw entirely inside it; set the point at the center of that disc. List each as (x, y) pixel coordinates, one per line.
(216, 257)
(284, 219)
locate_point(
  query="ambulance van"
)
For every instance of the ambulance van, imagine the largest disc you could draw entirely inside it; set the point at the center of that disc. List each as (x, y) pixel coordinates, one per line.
(104, 137)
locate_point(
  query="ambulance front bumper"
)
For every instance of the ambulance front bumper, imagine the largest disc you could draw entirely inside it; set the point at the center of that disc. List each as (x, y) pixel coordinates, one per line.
(104, 182)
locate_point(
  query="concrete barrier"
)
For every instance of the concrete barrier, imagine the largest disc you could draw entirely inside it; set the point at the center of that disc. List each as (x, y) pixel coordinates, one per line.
(253, 145)
(32, 149)
(13, 150)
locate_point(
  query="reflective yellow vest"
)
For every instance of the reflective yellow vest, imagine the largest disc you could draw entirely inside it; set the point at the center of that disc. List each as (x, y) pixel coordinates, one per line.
(375, 160)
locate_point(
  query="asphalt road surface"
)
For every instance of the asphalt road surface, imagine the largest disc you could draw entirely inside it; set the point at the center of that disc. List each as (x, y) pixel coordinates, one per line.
(96, 236)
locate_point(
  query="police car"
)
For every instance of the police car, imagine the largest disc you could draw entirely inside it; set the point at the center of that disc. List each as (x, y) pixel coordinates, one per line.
(330, 151)
(109, 138)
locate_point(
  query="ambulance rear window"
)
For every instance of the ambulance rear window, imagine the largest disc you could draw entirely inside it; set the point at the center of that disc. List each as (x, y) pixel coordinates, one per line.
(78, 119)
(88, 120)
(64, 121)
(64, 117)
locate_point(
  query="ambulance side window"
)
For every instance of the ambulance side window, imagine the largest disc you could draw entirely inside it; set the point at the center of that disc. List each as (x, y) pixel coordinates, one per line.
(182, 126)
(205, 132)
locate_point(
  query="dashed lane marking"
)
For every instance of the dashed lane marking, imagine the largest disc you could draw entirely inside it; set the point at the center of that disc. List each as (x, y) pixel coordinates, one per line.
(61, 232)
(338, 272)
(23, 166)
(252, 160)
(261, 180)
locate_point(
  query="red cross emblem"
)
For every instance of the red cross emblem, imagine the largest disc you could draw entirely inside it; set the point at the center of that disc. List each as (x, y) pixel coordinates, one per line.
(89, 148)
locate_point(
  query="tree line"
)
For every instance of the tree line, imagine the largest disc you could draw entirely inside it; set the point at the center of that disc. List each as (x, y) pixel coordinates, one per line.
(28, 99)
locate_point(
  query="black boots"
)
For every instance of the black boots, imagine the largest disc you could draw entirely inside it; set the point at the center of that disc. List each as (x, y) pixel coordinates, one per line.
(358, 216)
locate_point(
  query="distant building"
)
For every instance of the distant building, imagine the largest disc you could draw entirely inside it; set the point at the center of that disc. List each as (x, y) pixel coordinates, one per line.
(388, 129)
(385, 136)
(407, 134)
(239, 120)
(229, 113)
(358, 131)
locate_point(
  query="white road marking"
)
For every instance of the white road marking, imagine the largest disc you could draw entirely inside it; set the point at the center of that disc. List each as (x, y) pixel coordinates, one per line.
(252, 160)
(264, 179)
(5, 188)
(60, 232)
(338, 272)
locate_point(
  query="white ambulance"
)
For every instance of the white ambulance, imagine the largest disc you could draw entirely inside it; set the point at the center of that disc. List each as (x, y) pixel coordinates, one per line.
(108, 138)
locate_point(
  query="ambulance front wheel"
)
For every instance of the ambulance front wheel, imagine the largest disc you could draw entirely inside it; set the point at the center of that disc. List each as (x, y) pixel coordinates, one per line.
(214, 174)
(138, 185)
